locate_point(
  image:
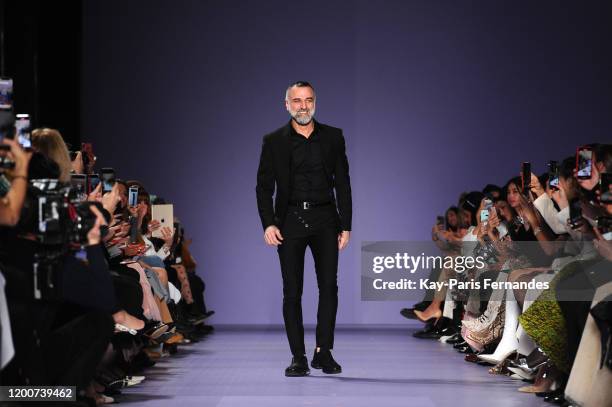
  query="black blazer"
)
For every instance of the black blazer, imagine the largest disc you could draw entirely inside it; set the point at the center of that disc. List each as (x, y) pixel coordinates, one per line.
(275, 170)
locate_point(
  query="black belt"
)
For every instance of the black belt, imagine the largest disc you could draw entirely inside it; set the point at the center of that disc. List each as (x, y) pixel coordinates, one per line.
(308, 205)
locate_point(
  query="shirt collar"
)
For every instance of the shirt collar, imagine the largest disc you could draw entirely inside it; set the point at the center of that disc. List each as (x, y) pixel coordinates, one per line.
(315, 131)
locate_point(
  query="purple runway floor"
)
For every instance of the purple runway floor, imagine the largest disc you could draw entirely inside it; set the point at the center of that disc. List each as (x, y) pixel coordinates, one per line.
(382, 367)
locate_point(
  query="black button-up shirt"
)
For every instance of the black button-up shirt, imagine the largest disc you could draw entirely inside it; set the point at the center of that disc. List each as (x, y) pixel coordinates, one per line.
(309, 181)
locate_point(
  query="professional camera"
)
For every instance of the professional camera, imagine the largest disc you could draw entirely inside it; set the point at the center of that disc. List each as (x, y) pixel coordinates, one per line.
(55, 214)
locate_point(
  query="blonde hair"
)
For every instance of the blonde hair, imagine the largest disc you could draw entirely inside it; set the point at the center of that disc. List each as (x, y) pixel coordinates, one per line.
(50, 143)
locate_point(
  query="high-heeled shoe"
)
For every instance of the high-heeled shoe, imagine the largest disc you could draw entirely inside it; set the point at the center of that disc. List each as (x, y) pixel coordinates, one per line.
(155, 331)
(545, 380)
(521, 368)
(495, 359)
(437, 315)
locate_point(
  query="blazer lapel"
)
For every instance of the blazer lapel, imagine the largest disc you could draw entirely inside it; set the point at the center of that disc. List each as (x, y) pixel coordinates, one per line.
(286, 147)
(326, 150)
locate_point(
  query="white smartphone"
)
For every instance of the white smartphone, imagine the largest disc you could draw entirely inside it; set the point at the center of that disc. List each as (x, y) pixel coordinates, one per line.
(164, 214)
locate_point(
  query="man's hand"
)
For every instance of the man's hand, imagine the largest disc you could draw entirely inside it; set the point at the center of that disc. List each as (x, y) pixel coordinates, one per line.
(273, 236)
(343, 239)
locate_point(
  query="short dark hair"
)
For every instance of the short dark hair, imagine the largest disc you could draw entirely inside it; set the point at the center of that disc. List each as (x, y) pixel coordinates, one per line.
(299, 84)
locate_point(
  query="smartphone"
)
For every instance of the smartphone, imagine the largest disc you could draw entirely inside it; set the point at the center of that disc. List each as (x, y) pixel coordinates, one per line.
(6, 94)
(605, 188)
(93, 181)
(133, 196)
(5, 186)
(575, 220)
(79, 184)
(22, 130)
(485, 213)
(107, 175)
(584, 162)
(526, 177)
(440, 220)
(87, 154)
(553, 174)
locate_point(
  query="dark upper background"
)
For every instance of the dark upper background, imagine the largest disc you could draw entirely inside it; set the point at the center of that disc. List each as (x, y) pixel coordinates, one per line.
(434, 98)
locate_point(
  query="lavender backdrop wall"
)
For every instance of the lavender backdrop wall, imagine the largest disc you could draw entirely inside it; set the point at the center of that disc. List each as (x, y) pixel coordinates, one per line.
(434, 97)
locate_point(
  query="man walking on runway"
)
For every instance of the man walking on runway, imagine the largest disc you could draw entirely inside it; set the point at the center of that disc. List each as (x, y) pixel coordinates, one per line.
(305, 161)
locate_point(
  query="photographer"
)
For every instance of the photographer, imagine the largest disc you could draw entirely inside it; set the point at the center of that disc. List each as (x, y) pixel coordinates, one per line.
(10, 208)
(60, 330)
(11, 203)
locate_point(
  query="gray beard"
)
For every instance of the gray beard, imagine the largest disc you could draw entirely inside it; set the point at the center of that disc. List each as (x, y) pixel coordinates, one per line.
(303, 119)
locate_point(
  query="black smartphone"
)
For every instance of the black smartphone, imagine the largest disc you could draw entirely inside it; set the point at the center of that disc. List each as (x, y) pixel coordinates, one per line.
(553, 174)
(440, 220)
(584, 162)
(93, 181)
(133, 196)
(22, 130)
(605, 188)
(107, 175)
(575, 220)
(79, 183)
(526, 177)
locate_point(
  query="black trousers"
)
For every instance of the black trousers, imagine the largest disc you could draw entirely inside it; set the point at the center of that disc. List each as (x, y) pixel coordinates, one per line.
(323, 244)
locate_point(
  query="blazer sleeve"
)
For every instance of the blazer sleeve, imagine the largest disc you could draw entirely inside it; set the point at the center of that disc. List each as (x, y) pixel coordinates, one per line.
(265, 185)
(343, 187)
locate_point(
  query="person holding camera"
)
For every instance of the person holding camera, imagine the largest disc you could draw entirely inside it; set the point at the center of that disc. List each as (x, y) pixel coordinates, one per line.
(12, 202)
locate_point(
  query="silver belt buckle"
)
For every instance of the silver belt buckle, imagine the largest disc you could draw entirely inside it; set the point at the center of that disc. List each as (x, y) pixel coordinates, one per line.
(306, 205)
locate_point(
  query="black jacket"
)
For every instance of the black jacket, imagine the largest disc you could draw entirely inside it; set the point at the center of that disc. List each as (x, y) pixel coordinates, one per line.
(275, 172)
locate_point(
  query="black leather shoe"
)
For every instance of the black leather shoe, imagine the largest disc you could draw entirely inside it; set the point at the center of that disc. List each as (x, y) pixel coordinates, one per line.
(430, 329)
(324, 360)
(465, 349)
(298, 367)
(457, 338)
(427, 334)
